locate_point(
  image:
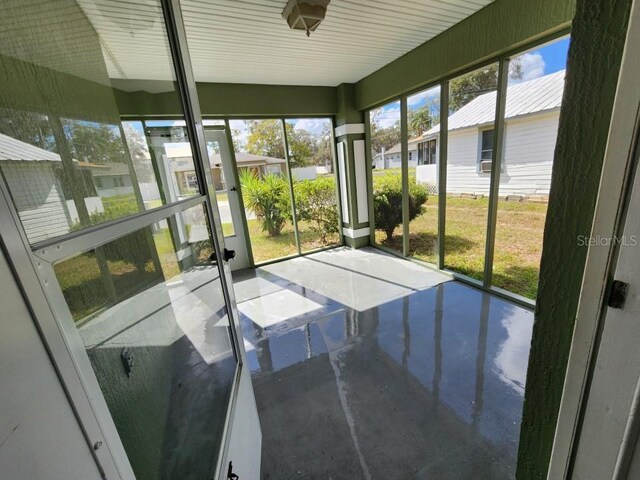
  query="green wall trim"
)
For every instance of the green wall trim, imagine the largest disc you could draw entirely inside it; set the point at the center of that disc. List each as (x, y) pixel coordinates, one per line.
(499, 27)
(236, 99)
(598, 35)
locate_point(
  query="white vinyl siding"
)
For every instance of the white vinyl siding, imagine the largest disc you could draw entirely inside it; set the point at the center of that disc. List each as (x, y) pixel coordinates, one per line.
(528, 157)
(38, 198)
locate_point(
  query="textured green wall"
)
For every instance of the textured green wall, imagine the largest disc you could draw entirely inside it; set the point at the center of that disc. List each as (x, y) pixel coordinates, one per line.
(598, 35)
(346, 105)
(33, 88)
(237, 100)
(499, 27)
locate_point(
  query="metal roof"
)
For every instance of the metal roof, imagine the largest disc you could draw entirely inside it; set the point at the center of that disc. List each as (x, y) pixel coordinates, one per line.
(534, 96)
(12, 149)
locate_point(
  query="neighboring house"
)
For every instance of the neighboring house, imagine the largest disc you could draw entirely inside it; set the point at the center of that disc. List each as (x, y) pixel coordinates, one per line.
(37, 185)
(181, 165)
(112, 179)
(391, 157)
(531, 126)
(31, 175)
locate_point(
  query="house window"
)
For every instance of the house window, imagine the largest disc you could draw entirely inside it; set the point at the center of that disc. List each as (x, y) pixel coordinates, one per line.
(486, 145)
(98, 182)
(427, 152)
(410, 156)
(191, 180)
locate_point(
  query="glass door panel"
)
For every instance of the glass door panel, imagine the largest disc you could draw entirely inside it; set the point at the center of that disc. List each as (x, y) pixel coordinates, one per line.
(143, 293)
(264, 180)
(67, 159)
(310, 145)
(151, 313)
(387, 175)
(225, 188)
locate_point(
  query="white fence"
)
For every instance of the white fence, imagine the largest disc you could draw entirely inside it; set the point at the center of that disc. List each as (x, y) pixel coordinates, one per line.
(304, 173)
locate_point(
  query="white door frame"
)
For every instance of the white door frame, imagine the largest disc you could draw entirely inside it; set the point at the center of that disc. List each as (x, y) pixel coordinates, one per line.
(238, 241)
(608, 216)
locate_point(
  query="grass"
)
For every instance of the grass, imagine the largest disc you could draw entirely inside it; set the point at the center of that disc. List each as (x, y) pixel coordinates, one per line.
(518, 246)
(86, 289)
(267, 248)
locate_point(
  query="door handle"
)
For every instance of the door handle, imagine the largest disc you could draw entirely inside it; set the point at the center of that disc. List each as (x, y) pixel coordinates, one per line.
(233, 189)
(228, 255)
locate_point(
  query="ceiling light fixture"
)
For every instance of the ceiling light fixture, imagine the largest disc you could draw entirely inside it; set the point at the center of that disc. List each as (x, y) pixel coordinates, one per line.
(305, 14)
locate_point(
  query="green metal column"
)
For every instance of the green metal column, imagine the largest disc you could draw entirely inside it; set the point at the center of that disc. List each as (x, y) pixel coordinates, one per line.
(404, 169)
(496, 165)
(352, 152)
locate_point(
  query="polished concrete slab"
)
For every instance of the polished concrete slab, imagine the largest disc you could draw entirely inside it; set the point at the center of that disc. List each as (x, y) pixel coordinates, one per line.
(422, 378)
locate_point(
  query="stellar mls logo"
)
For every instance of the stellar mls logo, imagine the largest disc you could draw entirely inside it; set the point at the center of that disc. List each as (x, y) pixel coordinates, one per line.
(601, 241)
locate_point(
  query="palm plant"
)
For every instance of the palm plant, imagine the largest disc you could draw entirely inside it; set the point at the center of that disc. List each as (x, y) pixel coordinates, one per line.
(267, 197)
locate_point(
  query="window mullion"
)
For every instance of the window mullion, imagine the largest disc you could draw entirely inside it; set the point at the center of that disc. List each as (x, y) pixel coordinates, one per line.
(496, 160)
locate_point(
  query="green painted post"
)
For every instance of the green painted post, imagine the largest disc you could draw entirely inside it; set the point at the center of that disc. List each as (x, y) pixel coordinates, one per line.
(442, 171)
(404, 168)
(496, 165)
(290, 182)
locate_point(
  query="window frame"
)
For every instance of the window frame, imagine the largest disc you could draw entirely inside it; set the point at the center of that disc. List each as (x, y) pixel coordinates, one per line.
(479, 159)
(441, 152)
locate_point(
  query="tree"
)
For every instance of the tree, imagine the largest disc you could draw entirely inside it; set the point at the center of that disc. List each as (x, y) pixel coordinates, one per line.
(94, 142)
(324, 155)
(422, 119)
(139, 152)
(265, 138)
(31, 128)
(467, 87)
(303, 147)
(384, 137)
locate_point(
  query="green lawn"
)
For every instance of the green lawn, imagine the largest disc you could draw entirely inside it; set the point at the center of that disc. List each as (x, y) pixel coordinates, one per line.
(267, 248)
(518, 247)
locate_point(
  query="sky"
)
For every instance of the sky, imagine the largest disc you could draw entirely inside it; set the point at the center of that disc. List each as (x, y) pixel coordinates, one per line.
(538, 62)
(312, 125)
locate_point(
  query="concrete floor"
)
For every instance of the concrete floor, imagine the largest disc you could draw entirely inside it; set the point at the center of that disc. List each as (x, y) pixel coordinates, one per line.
(368, 366)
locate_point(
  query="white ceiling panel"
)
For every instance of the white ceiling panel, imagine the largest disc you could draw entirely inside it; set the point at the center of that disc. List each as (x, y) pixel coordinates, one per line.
(248, 41)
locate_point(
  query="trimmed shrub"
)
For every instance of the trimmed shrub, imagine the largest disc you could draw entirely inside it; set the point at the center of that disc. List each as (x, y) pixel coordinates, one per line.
(316, 203)
(387, 201)
(268, 198)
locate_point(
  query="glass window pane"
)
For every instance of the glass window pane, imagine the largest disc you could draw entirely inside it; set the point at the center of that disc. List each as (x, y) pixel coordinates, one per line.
(67, 157)
(387, 175)
(262, 168)
(314, 181)
(219, 176)
(532, 112)
(472, 105)
(150, 311)
(423, 110)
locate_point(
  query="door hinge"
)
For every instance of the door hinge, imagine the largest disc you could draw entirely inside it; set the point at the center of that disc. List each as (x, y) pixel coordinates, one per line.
(618, 294)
